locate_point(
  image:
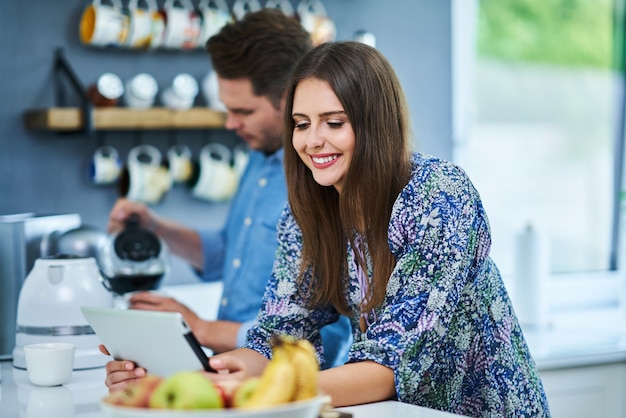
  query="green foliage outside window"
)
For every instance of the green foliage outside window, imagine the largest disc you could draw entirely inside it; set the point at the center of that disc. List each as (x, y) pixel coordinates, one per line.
(577, 33)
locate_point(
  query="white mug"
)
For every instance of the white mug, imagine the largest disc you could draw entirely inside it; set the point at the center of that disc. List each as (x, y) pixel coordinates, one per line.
(242, 7)
(182, 93)
(49, 364)
(211, 92)
(215, 14)
(282, 5)
(181, 166)
(140, 24)
(140, 91)
(314, 20)
(148, 180)
(183, 25)
(218, 180)
(103, 24)
(106, 166)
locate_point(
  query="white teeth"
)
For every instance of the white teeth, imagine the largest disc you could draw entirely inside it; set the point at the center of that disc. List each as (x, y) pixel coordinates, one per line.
(324, 160)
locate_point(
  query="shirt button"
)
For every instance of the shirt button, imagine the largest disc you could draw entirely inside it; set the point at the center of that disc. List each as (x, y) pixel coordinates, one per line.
(236, 263)
(262, 182)
(224, 302)
(247, 221)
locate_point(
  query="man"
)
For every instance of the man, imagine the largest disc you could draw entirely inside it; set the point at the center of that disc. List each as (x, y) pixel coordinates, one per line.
(252, 59)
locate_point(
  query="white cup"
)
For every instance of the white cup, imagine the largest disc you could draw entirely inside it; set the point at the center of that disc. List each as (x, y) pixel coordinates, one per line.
(282, 5)
(106, 165)
(149, 180)
(183, 25)
(218, 180)
(314, 20)
(49, 364)
(103, 24)
(215, 14)
(182, 93)
(181, 166)
(140, 91)
(242, 7)
(140, 24)
(211, 92)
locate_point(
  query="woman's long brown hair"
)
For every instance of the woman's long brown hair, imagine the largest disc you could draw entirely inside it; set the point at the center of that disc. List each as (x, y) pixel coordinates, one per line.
(373, 99)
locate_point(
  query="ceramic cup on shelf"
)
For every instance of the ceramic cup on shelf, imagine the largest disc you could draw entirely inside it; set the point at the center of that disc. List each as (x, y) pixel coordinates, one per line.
(313, 18)
(217, 180)
(180, 163)
(211, 93)
(182, 93)
(282, 5)
(49, 364)
(242, 7)
(106, 165)
(106, 91)
(140, 24)
(183, 25)
(148, 180)
(103, 24)
(215, 14)
(140, 91)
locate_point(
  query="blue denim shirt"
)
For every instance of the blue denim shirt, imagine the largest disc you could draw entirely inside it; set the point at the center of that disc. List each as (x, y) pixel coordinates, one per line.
(242, 253)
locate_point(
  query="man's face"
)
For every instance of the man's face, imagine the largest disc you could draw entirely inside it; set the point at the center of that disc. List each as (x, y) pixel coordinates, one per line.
(253, 118)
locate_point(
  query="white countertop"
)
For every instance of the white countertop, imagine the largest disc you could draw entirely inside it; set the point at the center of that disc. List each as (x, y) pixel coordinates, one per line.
(80, 398)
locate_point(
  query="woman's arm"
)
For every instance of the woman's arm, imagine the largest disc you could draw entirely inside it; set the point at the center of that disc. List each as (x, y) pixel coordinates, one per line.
(357, 383)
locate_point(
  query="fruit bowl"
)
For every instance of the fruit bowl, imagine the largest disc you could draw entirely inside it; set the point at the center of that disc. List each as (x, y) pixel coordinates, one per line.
(309, 408)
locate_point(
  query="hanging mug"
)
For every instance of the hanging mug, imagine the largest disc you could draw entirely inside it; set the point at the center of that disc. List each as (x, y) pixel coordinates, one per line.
(313, 18)
(180, 164)
(215, 15)
(241, 155)
(282, 5)
(182, 25)
(148, 179)
(140, 24)
(103, 24)
(105, 166)
(242, 7)
(217, 180)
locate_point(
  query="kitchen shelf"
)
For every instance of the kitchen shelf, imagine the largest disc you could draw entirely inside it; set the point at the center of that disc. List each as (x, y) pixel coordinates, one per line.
(119, 118)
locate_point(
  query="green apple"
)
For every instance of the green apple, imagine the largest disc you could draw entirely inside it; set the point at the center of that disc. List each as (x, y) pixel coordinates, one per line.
(244, 392)
(186, 390)
(135, 394)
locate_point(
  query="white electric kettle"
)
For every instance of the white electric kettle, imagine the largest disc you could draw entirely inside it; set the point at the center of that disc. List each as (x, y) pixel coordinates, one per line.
(49, 304)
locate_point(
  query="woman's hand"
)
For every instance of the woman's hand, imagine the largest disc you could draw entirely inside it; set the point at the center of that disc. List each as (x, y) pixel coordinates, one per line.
(121, 372)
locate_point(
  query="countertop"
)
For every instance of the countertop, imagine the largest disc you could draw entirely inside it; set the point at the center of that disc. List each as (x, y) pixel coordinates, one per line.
(80, 397)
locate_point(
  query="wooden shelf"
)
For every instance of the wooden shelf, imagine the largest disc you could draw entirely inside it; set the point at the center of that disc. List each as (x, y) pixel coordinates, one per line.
(119, 118)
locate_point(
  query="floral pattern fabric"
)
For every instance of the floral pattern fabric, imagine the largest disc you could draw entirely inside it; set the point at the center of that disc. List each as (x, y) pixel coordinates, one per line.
(447, 327)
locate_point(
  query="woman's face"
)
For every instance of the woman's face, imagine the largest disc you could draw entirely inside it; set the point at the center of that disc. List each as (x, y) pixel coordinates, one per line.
(322, 136)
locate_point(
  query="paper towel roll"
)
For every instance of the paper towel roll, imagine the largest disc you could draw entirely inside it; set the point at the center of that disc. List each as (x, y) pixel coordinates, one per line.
(531, 272)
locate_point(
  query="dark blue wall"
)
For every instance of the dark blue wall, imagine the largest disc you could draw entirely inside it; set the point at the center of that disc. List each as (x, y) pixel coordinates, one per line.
(46, 172)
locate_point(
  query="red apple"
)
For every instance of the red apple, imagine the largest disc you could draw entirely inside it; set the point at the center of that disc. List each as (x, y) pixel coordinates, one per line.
(135, 394)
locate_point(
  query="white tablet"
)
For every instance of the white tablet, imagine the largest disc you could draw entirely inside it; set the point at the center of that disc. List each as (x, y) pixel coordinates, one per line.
(160, 342)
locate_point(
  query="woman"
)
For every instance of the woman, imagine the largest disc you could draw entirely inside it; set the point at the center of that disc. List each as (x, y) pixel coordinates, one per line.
(397, 241)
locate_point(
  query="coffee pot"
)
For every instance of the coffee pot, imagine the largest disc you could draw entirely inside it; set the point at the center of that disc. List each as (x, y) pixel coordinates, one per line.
(133, 259)
(49, 307)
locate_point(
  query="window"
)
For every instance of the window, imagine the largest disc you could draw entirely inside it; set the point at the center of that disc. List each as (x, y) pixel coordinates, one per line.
(545, 120)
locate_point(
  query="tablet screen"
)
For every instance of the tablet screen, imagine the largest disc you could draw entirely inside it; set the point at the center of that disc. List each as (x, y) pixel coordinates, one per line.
(160, 342)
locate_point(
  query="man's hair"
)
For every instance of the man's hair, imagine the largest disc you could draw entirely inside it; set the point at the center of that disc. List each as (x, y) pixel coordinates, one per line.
(263, 47)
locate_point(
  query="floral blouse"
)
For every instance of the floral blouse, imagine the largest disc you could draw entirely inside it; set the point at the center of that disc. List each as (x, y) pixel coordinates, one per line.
(447, 327)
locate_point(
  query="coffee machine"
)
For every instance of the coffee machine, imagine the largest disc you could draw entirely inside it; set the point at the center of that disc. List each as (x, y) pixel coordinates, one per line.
(22, 236)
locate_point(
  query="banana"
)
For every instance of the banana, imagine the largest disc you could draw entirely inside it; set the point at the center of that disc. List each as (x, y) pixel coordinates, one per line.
(277, 384)
(304, 359)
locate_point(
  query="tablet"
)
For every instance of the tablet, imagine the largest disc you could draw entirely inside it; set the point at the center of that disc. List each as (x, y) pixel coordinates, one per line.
(160, 342)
